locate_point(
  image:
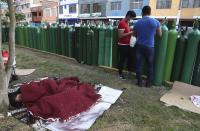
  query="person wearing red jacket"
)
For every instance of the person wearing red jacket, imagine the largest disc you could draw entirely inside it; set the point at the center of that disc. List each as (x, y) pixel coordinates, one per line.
(124, 35)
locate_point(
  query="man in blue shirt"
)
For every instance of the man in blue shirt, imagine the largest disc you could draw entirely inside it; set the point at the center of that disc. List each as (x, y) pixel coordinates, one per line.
(145, 29)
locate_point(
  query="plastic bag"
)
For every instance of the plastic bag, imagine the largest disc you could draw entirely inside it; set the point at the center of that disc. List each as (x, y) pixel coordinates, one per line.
(132, 41)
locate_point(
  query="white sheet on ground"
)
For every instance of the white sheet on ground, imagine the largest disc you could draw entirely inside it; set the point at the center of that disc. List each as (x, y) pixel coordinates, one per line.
(24, 72)
(86, 119)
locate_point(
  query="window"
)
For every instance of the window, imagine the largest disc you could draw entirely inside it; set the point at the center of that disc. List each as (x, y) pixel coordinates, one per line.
(53, 11)
(47, 12)
(190, 3)
(65, 6)
(136, 4)
(85, 8)
(116, 5)
(196, 3)
(72, 8)
(34, 14)
(40, 14)
(36, 1)
(96, 7)
(163, 4)
(60, 9)
(27, 5)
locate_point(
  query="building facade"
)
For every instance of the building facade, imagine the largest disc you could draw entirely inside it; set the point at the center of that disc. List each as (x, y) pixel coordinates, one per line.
(117, 8)
(109, 8)
(106, 9)
(68, 10)
(183, 9)
(23, 6)
(38, 11)
(92, 8)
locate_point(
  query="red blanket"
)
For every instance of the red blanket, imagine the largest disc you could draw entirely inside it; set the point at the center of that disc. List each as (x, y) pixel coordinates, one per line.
(58, 99)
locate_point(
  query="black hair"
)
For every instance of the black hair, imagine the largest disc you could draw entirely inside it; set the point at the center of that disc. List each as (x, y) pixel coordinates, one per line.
(131, 13)
(146, 10)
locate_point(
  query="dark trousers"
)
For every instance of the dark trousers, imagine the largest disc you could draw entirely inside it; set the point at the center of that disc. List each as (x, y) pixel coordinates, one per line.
(144, 53)
(124, 55)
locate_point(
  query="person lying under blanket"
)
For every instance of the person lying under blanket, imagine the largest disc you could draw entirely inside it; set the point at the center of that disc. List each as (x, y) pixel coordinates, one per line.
(55, 98)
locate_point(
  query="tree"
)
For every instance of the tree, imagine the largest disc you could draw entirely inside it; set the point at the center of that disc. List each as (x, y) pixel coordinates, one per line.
(18, 16)
(5, 70)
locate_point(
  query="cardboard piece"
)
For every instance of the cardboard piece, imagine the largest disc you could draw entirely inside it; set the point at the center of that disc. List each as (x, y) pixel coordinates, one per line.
(24, 72)
(179, 96)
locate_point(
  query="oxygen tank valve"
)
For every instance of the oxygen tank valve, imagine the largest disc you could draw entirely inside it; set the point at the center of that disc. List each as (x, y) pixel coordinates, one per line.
(196, 23)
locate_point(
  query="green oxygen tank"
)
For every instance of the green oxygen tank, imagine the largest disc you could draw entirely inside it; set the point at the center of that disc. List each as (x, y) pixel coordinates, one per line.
(38, 32)
(160, 54)
(62, 40)
(23, 36)
(196, 72)
(67, 41)
(48, 40)
(89, 38)
(81, 43)
(101, 45)
(95, 45)
(171, 46)
(70, 41)
(84, 40)
(16, 35)
(114, 48)
(78, 49)
(20, 36)
(58, 42)
(51, 40)
(179, 56)
(190, 54)
(108, 46)
(45, 39)
(31, 35)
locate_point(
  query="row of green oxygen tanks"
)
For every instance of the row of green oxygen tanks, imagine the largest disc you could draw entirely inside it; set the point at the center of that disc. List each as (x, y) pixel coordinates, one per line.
(94, 44)
(54, 40)
(87, 44)
(177, 58)
(174, 60)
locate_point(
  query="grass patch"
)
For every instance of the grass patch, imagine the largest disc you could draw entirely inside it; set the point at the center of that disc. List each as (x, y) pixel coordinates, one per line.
(136, 109)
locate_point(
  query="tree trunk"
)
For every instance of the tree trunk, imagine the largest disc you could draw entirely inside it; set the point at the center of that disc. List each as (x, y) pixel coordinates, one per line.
(3, 80)
(4, 90)
(5, 71)
(11, 38)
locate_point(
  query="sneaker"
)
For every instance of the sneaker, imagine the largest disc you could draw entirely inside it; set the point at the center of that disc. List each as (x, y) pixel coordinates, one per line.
(122, 77)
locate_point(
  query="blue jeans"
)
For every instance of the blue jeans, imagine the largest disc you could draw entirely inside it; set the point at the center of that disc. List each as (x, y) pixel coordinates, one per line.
(144, 53)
